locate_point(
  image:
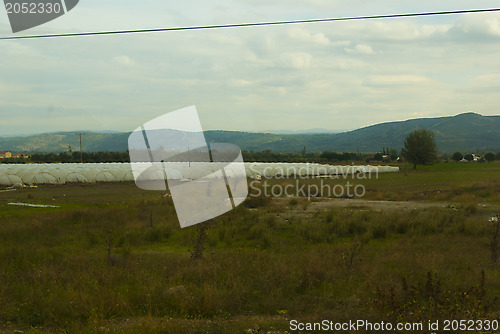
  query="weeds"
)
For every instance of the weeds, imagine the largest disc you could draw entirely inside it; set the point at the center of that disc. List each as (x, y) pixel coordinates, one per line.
(199, 244)
(428, 300)
(266, 255)
(470, 209)
(494, 240)
(350, 257)
(109, 243)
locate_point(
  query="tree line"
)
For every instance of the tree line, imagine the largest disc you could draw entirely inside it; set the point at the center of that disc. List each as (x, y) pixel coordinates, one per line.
(419, 149)
(71, 157)
(249, 156)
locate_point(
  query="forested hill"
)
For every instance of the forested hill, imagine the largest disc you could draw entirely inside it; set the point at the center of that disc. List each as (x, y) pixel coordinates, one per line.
(467, 132)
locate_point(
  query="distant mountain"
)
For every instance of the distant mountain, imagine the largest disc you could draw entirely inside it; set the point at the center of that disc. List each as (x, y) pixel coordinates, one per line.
(467, 132)
(79, 131)
(298, 132)
(64, 141)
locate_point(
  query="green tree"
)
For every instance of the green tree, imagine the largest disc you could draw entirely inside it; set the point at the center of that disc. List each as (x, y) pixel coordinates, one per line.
(378, 157)
(420, 148)
(469, 157)
(457, 156)
(393, 154)
(490, 157)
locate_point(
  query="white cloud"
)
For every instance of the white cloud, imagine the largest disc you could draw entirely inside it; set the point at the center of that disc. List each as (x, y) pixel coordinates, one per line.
(401, 30)
(485, 25)
(292, 76)
(391, 80)
(124, 60)
(298, 61)
(307, 36)
(360, 49)
(240, 83)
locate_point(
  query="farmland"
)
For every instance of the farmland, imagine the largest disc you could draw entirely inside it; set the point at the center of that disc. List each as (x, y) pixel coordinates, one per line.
(111, 258)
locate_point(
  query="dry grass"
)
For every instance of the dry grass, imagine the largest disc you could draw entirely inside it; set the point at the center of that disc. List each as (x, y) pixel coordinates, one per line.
(264, 263)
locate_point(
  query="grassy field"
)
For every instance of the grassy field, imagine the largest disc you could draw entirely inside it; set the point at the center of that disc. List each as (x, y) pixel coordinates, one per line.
(113, 259)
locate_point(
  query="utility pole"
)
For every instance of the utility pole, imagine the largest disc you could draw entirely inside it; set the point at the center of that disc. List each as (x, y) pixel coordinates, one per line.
(81, 154)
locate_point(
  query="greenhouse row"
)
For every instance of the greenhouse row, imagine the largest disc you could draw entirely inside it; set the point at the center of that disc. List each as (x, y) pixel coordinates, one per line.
(32, 174)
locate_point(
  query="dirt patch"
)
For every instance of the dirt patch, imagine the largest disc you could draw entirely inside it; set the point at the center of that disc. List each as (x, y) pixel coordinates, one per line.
(322, 204)
(376, 205)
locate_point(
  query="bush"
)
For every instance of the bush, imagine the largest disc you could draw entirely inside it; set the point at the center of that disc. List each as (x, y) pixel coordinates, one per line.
(379, 231)
(257, 202)
(356, 227)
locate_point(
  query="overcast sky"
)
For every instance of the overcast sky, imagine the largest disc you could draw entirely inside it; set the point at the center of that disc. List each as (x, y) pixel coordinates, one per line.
(337, 75)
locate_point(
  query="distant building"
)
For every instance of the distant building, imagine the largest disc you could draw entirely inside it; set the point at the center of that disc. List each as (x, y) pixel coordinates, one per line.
(475, 158)
(5, 155)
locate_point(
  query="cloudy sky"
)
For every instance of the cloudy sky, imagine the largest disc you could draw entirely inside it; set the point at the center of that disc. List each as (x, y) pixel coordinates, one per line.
(337, 75)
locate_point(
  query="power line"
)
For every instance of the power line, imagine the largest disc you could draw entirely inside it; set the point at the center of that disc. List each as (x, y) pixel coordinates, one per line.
(240, 25)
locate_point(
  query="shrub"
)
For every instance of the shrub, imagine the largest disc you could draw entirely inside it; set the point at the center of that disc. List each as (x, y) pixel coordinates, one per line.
(379, 231)
(356, 227)
(257, 202)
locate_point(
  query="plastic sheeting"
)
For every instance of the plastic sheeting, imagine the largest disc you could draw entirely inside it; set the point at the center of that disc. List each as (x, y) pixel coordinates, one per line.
(30, 174)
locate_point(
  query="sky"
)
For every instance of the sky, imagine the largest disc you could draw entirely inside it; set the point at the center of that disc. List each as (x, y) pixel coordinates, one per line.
(336, 75)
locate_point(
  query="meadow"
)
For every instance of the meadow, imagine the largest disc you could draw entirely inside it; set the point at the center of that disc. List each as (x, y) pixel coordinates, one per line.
(111, 258)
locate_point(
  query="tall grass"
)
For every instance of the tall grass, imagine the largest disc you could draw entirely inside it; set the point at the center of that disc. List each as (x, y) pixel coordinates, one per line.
(263, 263)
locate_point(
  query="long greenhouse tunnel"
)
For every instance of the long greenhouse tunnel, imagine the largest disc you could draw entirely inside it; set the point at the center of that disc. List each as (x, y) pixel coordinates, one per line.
(32, 174)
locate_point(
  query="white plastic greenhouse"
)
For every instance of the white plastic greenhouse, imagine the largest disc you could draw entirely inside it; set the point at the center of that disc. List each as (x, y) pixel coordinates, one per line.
(31, 174)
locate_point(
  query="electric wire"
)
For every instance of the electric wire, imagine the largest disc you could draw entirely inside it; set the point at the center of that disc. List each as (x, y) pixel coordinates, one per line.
(255, 24)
